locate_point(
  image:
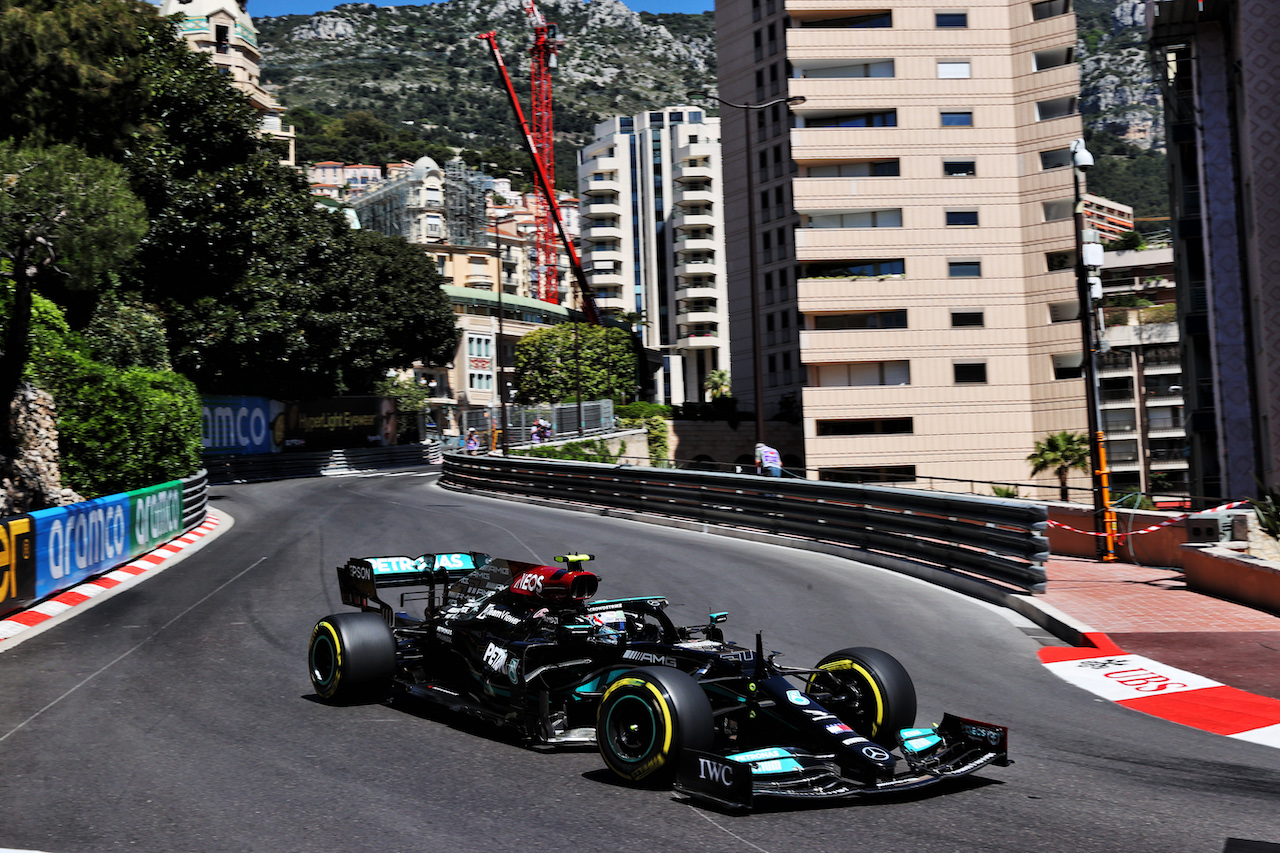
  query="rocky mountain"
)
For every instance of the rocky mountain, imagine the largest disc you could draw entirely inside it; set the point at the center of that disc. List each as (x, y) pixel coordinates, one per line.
(1118, 93)
(424, 65)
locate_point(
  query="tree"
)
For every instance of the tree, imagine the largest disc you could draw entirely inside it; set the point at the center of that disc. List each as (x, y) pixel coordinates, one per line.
(66, 219)
(552, 363)
(717, 384)
(1060, 452)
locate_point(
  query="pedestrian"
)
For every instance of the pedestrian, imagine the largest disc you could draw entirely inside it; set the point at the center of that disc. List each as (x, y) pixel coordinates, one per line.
(768, 462)
(473, 442)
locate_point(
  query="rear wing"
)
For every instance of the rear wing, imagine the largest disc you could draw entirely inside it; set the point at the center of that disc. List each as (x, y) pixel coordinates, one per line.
(361, 578)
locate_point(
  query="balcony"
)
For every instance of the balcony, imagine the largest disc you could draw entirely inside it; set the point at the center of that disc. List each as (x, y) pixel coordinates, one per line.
(696, 244)
(703, 339)
(703, 267)
(479, 281)
(694, 194)
(692, 220)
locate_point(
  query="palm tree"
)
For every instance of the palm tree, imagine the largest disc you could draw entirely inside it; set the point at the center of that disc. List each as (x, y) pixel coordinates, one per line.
(717, 384)
(1060, 452)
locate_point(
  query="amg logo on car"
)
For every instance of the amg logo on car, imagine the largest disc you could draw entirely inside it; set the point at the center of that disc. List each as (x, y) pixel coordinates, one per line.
(715, 771)
(649, 657)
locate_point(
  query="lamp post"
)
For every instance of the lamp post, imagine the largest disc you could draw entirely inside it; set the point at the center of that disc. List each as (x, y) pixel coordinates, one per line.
(1082, 161)
(757, 358)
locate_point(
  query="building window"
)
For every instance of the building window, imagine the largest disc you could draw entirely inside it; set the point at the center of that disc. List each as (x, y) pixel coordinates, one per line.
(1055, 211)
(880, 118)
(953, 69)
(962, 217)
(890, 218)
(1055, 261)
(1070, 366)
(854, 269)
(867, 426)
(867, 68)
(1055, 159)
(863, 373)
(957, 119)
(963, 317)
(970, 372)
(964, 269)
(1055, 108)
(861, 320)
(1049, 9)
(1053, 58)
(859, 169)
(959, 168)
(869, 474)
(865, 21)
(950, 20)
(1063, 312)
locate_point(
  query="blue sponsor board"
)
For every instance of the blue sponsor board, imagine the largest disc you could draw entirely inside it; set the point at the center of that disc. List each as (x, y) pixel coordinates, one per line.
(79, 541)
(239, 425)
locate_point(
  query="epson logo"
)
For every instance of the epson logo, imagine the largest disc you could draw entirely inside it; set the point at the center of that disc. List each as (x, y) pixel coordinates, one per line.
(360, 572)
(649, 657)
(529, 582)
(715, 771)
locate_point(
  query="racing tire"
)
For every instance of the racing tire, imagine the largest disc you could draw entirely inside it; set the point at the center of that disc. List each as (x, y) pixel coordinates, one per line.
(646, 718)
(351, 658)
(875, 695)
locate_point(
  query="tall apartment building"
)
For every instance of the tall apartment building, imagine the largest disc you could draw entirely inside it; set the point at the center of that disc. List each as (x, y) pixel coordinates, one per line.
(223, 30)
(652, 222)
(913, 221)
(1222, 108)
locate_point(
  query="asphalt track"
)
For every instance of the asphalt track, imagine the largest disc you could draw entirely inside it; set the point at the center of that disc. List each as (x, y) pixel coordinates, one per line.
(177, 714)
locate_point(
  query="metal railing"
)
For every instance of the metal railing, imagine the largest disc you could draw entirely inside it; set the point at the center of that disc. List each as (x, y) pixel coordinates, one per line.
(992, 538)
(285, 466)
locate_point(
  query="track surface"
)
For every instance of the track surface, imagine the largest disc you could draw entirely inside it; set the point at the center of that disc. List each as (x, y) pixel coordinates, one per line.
(178, 715)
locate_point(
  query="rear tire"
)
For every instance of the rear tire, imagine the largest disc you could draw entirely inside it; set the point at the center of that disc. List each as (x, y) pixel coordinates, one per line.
(871, 691)
(351, 657)
(647, 717)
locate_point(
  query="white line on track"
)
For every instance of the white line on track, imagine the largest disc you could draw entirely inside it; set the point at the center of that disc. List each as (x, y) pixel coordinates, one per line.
(139, 645)
(729, 832)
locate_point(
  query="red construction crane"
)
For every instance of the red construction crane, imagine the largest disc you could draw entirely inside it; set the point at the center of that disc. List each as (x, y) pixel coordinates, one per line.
(546, 44)
(545, 183)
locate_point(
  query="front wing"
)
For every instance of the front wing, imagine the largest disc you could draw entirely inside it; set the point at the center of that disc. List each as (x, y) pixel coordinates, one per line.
(955, 747)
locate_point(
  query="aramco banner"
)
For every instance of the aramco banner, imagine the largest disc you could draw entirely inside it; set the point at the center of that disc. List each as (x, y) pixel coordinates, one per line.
(241, 425)
(76, 542)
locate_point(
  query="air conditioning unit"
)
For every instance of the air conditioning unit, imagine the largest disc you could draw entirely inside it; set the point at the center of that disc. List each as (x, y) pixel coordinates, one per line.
(1232, 525)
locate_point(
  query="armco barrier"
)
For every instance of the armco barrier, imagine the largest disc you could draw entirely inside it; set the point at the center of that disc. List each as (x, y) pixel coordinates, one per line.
(992, 538)
(49, 550)
(285, 466)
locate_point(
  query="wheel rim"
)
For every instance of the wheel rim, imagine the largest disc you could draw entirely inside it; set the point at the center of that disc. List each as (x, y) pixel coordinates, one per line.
(632, 729)
(862, 694)
(324, 661)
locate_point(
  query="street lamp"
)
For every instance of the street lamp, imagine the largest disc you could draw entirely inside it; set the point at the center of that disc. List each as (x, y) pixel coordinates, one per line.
(757, 359)
(1090, 255)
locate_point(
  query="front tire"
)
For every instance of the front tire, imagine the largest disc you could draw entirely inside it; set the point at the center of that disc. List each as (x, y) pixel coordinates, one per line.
(870, 691)
(351, 657)
(647, 717)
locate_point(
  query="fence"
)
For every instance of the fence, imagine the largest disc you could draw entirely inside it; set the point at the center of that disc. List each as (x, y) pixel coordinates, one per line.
(992, 538)
(285, 466)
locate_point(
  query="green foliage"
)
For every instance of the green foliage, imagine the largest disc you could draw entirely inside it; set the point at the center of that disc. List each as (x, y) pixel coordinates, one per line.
(1267, 508)
(1128, 241)
(411, 400)
(1131, 175)
(640, 410)
(591, 450)
(122, 429)
(1004, 491)
(1060, 452)
(553, 364)
(125, 333)
(657, 434)
(717, 384)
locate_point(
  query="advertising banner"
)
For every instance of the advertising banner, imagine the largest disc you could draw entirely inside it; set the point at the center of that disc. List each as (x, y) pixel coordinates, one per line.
(240, 425)
(340, 422)
(155, 516)
(81, 540)
(17, 564)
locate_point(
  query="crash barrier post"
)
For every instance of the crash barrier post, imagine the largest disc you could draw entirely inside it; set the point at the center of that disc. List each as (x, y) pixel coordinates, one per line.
(47, 551)
(993, 538)
(327, 463)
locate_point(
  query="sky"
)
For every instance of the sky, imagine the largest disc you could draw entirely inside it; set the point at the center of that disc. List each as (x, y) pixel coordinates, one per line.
(270, 8)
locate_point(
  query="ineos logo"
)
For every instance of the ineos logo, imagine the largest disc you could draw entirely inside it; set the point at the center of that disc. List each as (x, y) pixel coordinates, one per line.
(529, 583)
(875, 753)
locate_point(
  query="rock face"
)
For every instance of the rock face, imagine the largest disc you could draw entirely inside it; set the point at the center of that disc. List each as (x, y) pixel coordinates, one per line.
(1118, 93)
(33, 481)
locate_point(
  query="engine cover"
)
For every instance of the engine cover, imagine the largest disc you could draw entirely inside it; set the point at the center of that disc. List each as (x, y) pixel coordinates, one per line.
(554, 584)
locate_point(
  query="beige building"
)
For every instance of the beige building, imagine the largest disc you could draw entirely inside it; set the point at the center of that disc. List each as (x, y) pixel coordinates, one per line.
(223, 30)
(914, 221)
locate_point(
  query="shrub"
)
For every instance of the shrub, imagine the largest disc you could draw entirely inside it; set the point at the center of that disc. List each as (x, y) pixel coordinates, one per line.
(657, 432)
(590, 450)
(640, 410)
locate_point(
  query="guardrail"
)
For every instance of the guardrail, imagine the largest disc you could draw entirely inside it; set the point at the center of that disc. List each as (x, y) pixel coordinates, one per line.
(285, 466)
(993, 538)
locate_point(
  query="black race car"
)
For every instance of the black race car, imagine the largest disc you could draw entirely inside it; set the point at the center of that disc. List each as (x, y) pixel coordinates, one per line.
(522, 645)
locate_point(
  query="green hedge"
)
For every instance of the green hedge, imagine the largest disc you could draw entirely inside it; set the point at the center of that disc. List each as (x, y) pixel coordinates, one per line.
(590, 450)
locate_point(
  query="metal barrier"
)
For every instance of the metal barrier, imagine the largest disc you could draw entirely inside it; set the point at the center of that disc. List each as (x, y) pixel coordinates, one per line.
(284, 466)
(992, 538)
(195, 500)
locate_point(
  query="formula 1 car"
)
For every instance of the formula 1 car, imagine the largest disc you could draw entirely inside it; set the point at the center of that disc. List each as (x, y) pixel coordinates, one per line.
(521, 645)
